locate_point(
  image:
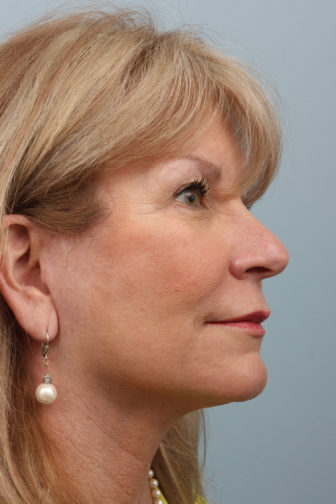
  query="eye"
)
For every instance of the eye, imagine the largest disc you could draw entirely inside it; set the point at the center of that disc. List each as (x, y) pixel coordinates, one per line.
(193, 194)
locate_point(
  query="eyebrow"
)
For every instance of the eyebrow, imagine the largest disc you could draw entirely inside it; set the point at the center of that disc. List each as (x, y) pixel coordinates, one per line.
(214, 171)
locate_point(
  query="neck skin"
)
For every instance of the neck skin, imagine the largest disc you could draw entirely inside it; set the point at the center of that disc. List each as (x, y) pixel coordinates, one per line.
(105, 441)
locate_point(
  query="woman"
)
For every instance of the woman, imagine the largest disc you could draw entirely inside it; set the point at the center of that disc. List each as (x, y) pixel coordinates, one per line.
(129, 161)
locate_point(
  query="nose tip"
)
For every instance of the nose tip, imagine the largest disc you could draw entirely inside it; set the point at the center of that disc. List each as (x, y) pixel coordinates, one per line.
(260, 253)
(274, 257)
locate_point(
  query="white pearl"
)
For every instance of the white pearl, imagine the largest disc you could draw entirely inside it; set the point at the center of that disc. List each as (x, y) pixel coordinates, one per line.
(150, 473)
(158, 501)
(156, 493)
(46, 393)
(153, 483)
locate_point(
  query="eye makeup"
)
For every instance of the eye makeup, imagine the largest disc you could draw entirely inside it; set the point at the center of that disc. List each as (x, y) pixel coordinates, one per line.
(200, 184)
(193, 194)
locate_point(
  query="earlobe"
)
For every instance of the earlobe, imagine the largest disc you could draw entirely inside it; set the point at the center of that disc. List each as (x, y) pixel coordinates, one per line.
(21, 282)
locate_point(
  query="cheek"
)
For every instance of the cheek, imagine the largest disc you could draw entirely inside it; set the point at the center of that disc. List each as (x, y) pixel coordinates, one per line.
(133, 313)
(165, 265)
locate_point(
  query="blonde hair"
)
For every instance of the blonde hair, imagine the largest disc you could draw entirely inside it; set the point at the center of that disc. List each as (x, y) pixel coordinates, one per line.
(81, 94)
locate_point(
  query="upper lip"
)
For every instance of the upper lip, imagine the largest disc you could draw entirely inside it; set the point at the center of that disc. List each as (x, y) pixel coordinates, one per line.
(256, 316)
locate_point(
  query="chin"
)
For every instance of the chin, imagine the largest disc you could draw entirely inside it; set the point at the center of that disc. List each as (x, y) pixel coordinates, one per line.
(242, 383)
(250, 382)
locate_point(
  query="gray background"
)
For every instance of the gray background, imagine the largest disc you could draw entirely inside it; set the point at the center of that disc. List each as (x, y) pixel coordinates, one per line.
(279, 448)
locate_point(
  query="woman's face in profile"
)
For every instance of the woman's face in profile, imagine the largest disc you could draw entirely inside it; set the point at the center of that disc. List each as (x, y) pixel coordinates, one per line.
(155, 283)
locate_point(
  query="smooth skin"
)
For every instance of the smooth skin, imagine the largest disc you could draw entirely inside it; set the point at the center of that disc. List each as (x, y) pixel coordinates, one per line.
(128, 303)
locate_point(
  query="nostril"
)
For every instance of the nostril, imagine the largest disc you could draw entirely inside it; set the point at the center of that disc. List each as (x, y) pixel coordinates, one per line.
(258, 270)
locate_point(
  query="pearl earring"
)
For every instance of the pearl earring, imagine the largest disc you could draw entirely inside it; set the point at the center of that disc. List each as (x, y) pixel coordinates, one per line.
(46, 392)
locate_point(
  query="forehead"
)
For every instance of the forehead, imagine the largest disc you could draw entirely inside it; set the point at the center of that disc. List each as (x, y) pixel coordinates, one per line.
(212, 152)
(217, 146)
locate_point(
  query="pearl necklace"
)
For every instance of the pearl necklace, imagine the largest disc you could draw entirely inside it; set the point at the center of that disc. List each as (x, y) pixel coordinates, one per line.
(154, 486)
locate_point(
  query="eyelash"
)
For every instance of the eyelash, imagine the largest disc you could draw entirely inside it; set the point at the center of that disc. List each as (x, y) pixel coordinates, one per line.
(200, 185)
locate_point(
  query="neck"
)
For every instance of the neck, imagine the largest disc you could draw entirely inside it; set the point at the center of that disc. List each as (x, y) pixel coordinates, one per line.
(105, 450)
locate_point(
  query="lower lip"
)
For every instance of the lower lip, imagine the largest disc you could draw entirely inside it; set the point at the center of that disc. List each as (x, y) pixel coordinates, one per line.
(253, 328)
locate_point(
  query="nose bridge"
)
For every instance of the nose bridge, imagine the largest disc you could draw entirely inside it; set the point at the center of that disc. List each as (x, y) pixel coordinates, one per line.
(257, 250)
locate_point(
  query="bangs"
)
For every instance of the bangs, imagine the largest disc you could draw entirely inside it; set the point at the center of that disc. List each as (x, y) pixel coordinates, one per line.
(178, 85)
(112, 90)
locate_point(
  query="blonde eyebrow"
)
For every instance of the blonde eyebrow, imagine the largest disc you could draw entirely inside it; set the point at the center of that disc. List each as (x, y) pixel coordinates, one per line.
(215, 172)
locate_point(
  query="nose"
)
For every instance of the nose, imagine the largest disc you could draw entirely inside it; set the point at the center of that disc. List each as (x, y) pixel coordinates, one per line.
(257, 252)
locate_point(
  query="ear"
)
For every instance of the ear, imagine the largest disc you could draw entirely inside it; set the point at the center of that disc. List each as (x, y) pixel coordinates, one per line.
(21, 277)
